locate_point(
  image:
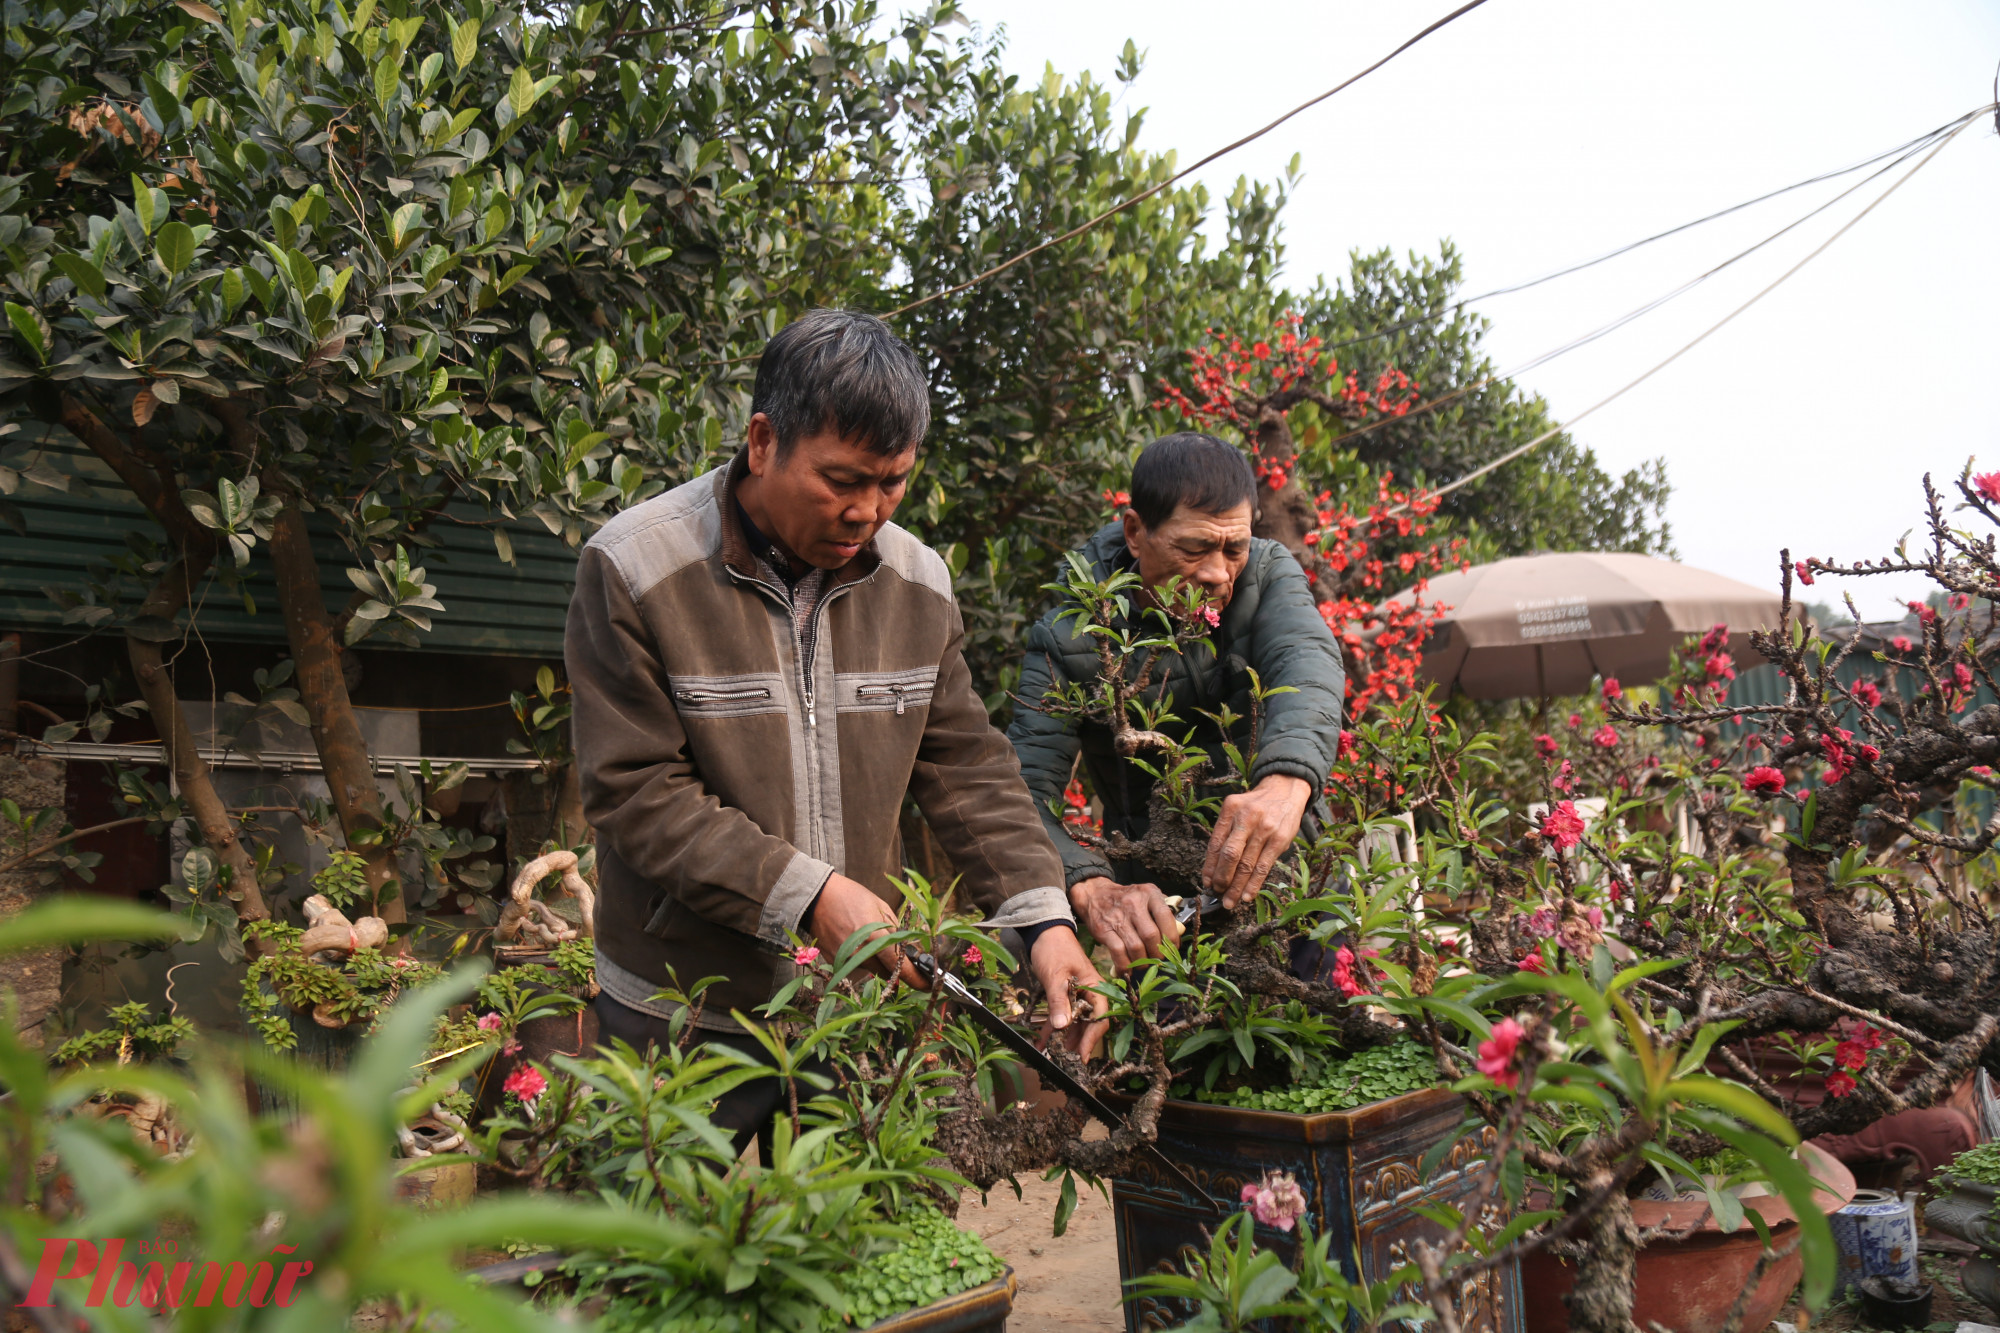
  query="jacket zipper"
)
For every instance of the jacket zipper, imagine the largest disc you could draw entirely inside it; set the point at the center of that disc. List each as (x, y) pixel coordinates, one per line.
(720, 696)
(877, 691)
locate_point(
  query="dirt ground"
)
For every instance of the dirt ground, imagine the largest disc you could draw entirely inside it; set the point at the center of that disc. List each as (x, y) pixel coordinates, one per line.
(1068, 1284)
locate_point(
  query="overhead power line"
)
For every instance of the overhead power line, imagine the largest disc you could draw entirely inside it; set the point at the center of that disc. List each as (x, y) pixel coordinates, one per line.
(1144, 195)
(1712, 329)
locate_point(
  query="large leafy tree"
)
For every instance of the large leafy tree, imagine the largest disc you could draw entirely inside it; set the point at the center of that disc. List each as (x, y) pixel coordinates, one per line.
(406, 264)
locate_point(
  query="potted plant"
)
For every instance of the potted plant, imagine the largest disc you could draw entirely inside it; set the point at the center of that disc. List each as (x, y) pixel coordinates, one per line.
(1968, 1206)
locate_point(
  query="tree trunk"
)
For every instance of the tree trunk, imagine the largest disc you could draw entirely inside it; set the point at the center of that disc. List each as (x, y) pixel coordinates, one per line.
(1608, 1274)
(336, 732)
(153, 484)
(1287, 514)
(177, 741)
(572, 829)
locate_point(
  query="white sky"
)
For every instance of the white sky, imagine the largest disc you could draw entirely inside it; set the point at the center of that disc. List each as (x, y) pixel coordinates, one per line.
(1536, 133)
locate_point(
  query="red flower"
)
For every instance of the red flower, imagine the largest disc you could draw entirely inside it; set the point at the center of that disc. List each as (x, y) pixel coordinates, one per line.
(1850, 1055)
(1868, 752)
(1961, 675)
(1118, 499)
(527, 1083)
(1868, 1038)
(1532, 963)
(1575, 720)
(1343, 973)
(1715, 640)
(1720, 667)
(805, 955)
(1869, 693)
(1606, 736)
(1346, 745)
(973, 958)
(1612, 689)
(1839, 1084)
(1988, 485)
(1563, 826)
(1765, 781)
(1496, 1053)
(1545, 745)
(1901, 643)
(1804, 572)
(1958, 601)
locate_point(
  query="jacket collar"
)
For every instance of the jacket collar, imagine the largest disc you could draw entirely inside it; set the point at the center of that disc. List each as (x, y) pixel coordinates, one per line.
(738, 556)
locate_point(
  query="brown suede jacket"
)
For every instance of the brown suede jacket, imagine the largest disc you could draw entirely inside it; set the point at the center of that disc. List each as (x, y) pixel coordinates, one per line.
(731, 760)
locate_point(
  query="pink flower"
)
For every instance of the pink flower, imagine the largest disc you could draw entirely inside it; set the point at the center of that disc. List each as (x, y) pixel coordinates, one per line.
(1575, 720)
(973, 958)
(1988, 485)
(1563, 826)
(527, 1083)
(1715, 640)
(1868, 752)
(805, 955)
(1545, 745)
(1532, 963)
(1496, 1053)
(1901, 643)
(1612, 689)
(1839, 1084)
(1869, 693)
(491, 1022)
(1981, 770)
(1850, 1055)
(1212, 616)
(1720, 667)
(1564, 779)
(1804, 572)
(1595, 916)
(1540, 924)
(1276, 1200)
(1606, 736)
(1958, 601)
(1961, 675)
(1343, 973)
(1765, 781)
(1346, 745)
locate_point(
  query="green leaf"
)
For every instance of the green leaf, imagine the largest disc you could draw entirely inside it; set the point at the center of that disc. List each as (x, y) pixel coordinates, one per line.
(388, 70)
(521, 90)
(1734, 1099)
(82, 921)
(86, 275)
(175, 247)
(1800, 1191)
(29, 330)
(464, 46)
(1066, 1203)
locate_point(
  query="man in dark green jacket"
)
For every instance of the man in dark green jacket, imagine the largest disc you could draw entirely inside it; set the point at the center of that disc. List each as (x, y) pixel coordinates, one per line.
(1193, 499)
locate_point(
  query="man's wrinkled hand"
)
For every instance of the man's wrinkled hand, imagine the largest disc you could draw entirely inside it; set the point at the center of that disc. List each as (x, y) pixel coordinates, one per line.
(1060, 962)
(846, 907)
(1252, 831)
(1129, 920)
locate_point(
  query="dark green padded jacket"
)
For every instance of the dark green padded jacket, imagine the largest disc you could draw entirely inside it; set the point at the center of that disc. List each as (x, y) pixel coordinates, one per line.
(1271, 626)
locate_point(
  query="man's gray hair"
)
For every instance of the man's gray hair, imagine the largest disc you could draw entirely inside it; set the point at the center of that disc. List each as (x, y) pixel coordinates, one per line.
(845, 371)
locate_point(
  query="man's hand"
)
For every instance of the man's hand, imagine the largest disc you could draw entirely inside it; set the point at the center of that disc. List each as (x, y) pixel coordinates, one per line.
(1128, 919)
(1251, 833)
(1059, 960)
(846, 906)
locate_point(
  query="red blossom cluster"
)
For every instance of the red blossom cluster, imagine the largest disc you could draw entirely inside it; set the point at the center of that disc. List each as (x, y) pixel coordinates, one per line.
(1851, 1054)
(1076, 810)
(1343, 973)
(1382, 641)
(1221, 374)
(1562, 825)
(1497, 1052)
(1118, 499)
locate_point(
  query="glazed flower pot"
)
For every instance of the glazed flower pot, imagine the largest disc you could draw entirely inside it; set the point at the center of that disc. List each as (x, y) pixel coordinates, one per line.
(1361, 1171)
(981, 1309)
(1971, 1211)
(1688, 1285)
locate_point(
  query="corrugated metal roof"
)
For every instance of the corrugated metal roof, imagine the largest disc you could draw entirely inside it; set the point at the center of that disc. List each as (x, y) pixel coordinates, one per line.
(490, 607)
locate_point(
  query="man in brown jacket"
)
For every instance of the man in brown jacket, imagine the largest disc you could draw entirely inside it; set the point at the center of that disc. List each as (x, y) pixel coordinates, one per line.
(763, 666)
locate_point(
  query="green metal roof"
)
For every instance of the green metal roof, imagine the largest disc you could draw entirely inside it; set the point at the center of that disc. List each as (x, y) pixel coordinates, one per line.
(490, 606)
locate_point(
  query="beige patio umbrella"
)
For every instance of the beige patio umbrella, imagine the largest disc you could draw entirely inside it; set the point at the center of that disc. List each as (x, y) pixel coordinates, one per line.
(1536, 626)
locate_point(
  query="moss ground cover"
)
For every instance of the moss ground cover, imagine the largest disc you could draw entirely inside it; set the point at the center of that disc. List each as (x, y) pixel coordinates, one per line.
(1369, 1076)
(938, 1260)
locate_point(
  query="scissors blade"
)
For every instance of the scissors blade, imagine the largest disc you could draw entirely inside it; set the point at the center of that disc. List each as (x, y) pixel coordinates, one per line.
(1205, 904)
(1056, 1076)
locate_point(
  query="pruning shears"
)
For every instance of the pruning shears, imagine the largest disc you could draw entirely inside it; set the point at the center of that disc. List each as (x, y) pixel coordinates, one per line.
(1052, 1074)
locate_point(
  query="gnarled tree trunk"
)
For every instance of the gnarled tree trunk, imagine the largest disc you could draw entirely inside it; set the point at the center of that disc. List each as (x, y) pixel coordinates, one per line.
(336, 731)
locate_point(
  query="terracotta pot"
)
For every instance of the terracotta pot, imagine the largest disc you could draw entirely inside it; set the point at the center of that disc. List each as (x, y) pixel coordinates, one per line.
(1361, 1171)
(1689, 1285)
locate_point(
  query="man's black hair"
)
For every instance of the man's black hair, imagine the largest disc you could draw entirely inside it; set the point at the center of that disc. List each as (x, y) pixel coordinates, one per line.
(845, 371)
(1190, 469)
